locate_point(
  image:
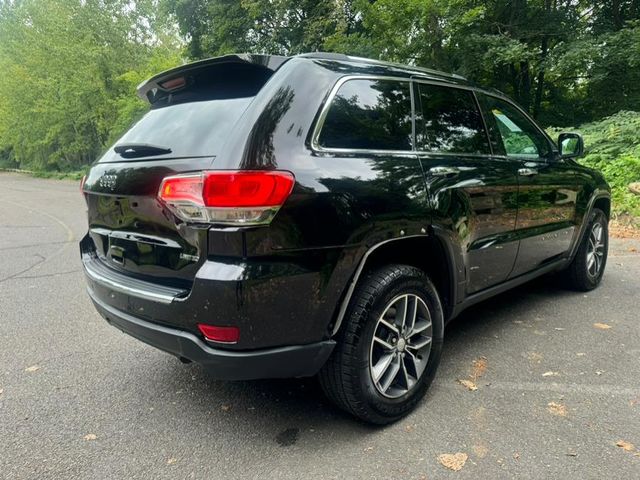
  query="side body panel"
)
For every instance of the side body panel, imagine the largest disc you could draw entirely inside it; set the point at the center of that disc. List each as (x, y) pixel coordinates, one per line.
(477, 208)
(547, 217)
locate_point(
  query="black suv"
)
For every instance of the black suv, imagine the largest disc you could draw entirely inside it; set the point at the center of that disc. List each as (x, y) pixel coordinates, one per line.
(325, 214)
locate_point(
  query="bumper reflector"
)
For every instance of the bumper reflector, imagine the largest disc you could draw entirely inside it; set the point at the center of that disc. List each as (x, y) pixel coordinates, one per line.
(219, 334)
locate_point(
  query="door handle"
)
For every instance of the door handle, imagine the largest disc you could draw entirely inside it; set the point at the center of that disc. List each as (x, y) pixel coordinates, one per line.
(444, 171)
(527, 172)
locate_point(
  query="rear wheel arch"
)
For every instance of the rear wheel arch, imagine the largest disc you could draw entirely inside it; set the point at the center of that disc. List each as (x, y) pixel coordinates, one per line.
(426, 252)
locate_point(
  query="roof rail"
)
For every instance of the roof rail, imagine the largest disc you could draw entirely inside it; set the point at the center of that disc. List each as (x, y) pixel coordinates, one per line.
(350, 58)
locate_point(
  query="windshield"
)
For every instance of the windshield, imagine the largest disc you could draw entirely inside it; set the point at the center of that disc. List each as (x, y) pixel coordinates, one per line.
(188, 129)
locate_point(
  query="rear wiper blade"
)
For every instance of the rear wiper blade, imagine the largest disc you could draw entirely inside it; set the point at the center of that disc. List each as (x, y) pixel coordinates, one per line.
(134, 150)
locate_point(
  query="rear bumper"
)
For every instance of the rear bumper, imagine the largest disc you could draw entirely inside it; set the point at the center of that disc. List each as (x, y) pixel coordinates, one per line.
(280, 362)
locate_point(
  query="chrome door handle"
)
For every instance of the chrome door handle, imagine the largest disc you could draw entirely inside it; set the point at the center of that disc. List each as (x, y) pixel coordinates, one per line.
(444, 171)
(527, 172)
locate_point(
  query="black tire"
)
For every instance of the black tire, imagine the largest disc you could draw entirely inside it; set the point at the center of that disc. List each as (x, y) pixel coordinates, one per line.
(346, 378)
(579, 275)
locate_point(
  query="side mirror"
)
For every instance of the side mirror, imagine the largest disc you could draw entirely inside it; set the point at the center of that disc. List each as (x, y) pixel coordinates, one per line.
(570, 145)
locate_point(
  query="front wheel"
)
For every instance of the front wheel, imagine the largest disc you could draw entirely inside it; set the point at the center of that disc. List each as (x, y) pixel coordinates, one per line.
(389, 347)
(586, 270)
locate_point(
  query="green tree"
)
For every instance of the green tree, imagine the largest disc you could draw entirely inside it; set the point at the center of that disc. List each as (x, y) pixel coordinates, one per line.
(70, 70)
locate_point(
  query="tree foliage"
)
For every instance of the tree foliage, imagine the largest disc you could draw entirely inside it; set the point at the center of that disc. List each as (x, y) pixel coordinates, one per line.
(71, 66)
(566, 61)
(69, 75)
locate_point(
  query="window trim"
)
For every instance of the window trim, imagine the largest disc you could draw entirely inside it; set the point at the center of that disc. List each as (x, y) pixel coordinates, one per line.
(317, 130)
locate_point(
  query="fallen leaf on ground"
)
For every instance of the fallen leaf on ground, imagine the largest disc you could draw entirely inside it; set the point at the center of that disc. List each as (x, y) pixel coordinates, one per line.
(516, 456)
(225, 408)
(408, 428)
(468, 384)
(479, 367)
(632, 402)
(171, 461)
(32, 368)
(550, 374)
(626, 446)
(480, 450)
(2, 390)
(557, 409)
(367, 449)
(602, 326)
(560, 329)
(535, 357)
(453, 461)
(90, 436)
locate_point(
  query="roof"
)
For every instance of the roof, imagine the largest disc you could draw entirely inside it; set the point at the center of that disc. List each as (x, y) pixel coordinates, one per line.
(390, 65)
(148, 89)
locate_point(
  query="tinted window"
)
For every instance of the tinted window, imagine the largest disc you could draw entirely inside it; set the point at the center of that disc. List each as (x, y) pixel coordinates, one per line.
(449, 121)
(369, 115)
(512, 133)
(188, 129)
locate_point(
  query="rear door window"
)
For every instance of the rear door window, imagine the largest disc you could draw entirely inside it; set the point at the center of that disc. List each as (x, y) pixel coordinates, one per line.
(449, 121)
(369, 115)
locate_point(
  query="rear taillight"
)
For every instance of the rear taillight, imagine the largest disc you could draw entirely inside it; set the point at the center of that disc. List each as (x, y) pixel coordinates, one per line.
(227, 197)
(84, 179)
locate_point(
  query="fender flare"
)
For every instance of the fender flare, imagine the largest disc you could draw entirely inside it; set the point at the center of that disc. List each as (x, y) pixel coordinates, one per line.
(344, 304)
(597, 195)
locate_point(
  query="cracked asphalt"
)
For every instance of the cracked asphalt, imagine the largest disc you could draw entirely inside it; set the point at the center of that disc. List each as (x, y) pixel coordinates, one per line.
(78, 399)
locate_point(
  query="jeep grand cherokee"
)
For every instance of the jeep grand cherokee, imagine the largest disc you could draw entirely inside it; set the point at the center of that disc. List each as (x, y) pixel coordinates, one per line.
(324, 214)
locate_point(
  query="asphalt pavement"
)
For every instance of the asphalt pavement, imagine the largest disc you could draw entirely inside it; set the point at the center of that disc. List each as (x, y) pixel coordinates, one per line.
(556, 376)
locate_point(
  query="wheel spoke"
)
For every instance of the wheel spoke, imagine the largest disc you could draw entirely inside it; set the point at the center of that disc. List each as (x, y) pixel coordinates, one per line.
(413, 313)
(401, 312)
(405, 374)
(391, 374)
(385, 344)
(390, 326)
(382, 366)
(420, 328)
(420, 344)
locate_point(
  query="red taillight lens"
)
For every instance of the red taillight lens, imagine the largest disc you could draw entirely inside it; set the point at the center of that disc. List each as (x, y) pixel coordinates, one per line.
(219, 334)
(186, 188)
(227, 197)
(246, 189)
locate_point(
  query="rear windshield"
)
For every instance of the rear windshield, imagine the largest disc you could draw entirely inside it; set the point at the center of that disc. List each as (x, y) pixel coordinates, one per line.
(197, 117)
(188, 129)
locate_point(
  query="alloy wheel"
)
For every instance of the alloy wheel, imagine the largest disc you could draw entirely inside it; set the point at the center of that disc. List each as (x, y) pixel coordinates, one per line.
(400, 346)
(595, 250)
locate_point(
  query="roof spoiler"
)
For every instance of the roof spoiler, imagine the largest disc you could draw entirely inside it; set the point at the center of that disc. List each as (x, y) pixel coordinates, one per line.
(150, 89)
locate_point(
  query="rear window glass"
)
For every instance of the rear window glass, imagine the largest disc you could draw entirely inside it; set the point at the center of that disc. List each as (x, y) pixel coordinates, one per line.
(197, 117)
(369, 115)
(189, 129)
(449, 121)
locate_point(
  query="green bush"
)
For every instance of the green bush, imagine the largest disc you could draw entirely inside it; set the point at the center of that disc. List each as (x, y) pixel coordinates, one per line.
(612, 146)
